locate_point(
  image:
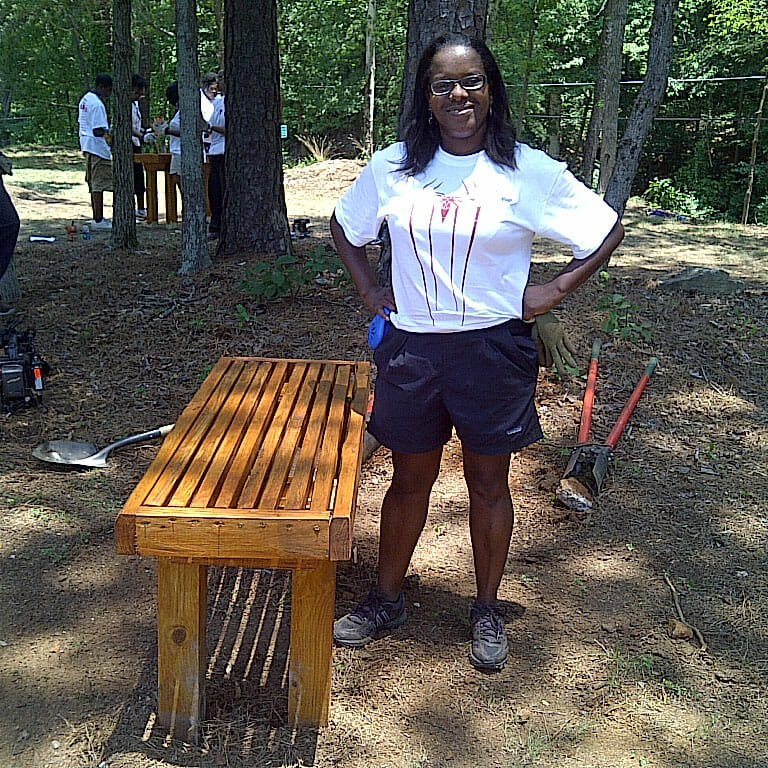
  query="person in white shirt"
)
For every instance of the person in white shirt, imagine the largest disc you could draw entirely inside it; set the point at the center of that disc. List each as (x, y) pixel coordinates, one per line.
(139, 136)
(463, 200)
(216, 180)
(93, 126)
(208, 93)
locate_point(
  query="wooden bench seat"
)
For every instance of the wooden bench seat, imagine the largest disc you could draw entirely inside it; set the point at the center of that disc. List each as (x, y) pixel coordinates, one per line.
(261, 471)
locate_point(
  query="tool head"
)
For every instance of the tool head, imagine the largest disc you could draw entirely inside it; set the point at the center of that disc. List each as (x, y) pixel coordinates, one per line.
(70, 452)
(589, 464)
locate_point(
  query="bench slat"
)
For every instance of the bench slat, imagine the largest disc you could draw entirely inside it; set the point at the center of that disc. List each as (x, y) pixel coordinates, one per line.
(289, 440)
(249, 446)
(250, 495)
(328, 458)
(305, 467)
(248, 390)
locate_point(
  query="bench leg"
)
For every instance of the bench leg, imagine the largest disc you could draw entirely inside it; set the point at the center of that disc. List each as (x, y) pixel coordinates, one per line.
(312, 605)
(151, 196)
(181, 619)
(171, 211)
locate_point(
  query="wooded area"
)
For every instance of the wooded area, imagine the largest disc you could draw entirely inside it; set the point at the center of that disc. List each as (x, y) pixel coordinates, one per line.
(550, 52)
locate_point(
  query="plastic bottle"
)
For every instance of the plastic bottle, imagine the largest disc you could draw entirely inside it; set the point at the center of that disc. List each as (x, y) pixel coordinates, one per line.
(86, 232)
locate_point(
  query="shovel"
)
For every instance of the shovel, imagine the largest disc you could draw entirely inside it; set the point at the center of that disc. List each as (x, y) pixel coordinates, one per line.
(87, 454)
(596, 456)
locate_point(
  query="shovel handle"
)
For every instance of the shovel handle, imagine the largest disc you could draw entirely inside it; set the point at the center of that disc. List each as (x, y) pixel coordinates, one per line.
(634, 398)
(589, 394)
(140, 438)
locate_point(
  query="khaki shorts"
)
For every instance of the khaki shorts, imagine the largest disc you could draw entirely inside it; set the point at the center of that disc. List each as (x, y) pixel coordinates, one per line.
(175, 168)
(98, 173)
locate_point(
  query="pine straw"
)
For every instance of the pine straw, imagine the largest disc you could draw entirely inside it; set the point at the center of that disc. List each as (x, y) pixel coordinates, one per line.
(593, 678)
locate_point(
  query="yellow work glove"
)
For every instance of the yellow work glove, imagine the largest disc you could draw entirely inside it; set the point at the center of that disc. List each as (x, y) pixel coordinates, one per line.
(553, 345)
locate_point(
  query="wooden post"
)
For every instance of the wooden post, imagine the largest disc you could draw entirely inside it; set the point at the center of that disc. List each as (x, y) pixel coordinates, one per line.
(171, 212)
(312, 605)
(151, 194)
(181, 649)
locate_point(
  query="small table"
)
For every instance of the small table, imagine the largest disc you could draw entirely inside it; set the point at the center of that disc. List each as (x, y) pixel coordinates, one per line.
(261, 470)
(161, 161)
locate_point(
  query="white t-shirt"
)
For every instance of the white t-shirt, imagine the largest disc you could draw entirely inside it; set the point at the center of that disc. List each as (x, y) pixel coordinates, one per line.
(206, 107)
(91, 113)
(462, 231)
(135, 123)
(217, 119)
(174, 142)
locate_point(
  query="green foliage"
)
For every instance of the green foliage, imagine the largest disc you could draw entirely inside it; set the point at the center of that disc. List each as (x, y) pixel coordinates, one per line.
(620, 322)
(288, 274)
(662, 193)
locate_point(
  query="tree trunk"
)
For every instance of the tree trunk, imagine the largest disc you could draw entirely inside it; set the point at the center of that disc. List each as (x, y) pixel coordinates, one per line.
(426, 20)
(370, 69)
(646, 105)
(255, 217)
(614, 24)
(194, 249)
(527, 69)
(602, 132)
(753, 156)
(555, 111)
(144, 68)
(123, 219)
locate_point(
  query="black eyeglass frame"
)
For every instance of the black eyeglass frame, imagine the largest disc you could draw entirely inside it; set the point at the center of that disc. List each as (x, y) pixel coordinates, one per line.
(483, 80)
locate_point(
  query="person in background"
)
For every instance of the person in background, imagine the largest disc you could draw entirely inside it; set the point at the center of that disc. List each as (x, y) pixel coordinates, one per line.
(217, 179)
(463, 200)
(9, 228)
(172, 129)
(139, 136)
(208, 92)
(94, 134)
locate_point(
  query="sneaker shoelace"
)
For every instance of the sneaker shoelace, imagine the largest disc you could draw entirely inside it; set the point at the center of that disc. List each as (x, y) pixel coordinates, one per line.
(489, 621)
(374, 609)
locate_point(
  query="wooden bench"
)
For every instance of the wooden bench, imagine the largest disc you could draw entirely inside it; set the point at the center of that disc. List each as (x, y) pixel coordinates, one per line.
(155, 162)
(260, 471)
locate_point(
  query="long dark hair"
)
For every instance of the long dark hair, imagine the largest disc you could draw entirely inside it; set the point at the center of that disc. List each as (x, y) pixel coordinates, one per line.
(422, 136)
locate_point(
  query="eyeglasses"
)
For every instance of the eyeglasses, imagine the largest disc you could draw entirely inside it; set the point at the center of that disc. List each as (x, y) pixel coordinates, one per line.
(468, 83)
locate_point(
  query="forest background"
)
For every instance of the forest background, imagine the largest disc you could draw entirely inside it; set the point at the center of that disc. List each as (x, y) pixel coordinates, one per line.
(695, 162)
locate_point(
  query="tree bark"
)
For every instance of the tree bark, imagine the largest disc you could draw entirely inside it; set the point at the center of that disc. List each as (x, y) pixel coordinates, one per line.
(370, 70)
(555, 122)
(255, 217)
(614, 25)
(646, 105)
(753, 156)
(426, 20)
(602, 133)
(532, 21)
(194, 249)
(144, 68)
(123, 219)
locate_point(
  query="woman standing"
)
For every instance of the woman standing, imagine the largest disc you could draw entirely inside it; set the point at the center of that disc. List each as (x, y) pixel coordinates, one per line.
(463, 200)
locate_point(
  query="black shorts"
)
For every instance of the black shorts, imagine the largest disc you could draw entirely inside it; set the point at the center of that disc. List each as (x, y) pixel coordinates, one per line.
(481, 382)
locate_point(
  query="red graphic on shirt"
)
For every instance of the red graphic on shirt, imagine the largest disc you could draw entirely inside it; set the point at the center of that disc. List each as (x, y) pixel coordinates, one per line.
(445, 204)
(445, 207)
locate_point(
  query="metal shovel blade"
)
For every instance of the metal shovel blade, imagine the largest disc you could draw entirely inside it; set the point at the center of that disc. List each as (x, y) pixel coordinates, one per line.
(83, 454)
(588, 467)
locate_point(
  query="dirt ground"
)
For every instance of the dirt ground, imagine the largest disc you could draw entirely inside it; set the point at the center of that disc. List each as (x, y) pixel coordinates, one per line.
(594, 679)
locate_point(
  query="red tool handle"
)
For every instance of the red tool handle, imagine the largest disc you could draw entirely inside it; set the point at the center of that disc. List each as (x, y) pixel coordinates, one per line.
(625, 415)
(589, 394)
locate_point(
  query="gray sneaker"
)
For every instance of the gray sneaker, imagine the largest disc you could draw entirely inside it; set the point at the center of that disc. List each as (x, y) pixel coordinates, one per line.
(490, 648)
(370, 618)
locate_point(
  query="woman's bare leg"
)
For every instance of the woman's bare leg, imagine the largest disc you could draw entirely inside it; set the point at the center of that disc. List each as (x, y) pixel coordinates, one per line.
(403, 516)
(491, 519)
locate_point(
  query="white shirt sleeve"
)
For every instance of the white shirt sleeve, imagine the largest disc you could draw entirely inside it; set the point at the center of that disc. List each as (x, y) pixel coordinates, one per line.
(575, 215)
(357, 211)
